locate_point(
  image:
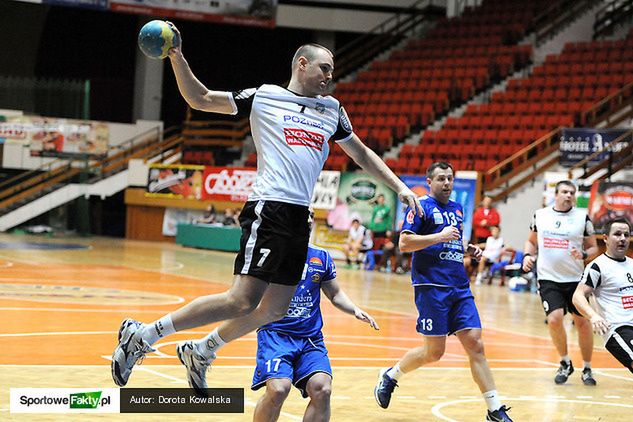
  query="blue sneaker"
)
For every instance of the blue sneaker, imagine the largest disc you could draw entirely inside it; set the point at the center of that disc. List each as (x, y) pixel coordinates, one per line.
(499, 415)
(384, 388)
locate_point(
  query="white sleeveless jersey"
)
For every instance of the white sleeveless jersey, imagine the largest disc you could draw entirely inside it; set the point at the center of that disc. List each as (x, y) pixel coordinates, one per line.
(291, 134)
(612, 282)
(558, 232)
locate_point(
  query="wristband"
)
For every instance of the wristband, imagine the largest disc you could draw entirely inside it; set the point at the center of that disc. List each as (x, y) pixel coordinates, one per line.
(526, 255)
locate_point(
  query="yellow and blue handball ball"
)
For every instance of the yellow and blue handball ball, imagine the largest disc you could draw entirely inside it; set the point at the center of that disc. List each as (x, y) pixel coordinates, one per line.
(156, 38)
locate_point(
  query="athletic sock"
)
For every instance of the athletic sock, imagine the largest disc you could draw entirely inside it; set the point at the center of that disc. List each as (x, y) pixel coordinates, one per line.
(587, 365)
(566, 359)
(158, 329)
(395, 373)
(210, 344)
(492, 400)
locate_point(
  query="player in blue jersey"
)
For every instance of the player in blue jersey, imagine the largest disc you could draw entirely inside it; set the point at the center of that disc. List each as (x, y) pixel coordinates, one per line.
(442, 293)
(291, 351)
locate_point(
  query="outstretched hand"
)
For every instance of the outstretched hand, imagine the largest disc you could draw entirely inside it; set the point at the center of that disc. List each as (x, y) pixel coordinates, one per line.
(410, 199)
(173, 52)
(365, 317)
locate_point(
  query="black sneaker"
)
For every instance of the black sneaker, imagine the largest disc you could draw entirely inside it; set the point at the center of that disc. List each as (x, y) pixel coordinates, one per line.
(564, 371)
(384, 388)
(499, 415)
(587, 377)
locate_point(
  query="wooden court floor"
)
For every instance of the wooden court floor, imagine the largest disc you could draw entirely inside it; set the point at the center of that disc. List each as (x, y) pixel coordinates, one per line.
(61, 308)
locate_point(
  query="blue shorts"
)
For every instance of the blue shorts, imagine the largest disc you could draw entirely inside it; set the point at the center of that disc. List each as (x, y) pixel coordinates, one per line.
(296, 358)
(445, 310)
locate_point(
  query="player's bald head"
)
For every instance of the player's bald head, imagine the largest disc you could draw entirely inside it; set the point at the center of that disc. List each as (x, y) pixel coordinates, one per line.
(310, 52)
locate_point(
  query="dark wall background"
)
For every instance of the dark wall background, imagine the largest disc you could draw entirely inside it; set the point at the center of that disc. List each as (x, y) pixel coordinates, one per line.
(70, 43)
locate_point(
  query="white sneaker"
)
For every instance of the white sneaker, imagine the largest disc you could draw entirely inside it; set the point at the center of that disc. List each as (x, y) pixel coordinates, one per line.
(130, 350)
(196, 364)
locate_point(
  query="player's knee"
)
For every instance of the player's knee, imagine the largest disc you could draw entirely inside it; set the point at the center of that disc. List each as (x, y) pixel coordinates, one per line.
(278, 392)
(555, 319)
(242, 305)
(474, 346)
(320, 391)
(276, 313)
(433, 354)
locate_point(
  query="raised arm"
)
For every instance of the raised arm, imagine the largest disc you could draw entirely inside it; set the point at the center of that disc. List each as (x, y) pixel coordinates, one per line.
(372, 164)
(193, 91)
(340, 299)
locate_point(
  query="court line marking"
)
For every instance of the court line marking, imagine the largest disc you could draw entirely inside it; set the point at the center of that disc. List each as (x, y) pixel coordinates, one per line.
(437, 409)
(365, 368)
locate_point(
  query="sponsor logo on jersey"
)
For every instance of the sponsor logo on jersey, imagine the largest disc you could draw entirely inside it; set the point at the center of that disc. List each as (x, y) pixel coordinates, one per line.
(303, 121)
(452, 256)
(305, 138)
(554, 243)
(459, 213)
(316, 278)
(627, 302)
(315, 260)
(344, 120)
(320, 107)
(410, 216)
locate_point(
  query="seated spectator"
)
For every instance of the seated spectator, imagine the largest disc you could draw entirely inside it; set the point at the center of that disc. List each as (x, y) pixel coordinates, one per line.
(358, 241)
(208, 217)
(492, 252)
(230, 217)
(392, 258)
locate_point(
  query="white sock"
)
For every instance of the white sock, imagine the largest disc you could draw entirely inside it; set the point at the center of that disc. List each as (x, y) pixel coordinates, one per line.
(158, 329)
(492, 400)
(588, 365)
(395, 373)
(566, 359)
(210, 344)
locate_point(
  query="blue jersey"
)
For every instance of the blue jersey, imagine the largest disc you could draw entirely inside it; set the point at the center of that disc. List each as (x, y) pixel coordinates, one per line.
(441, 264)
(303, 318)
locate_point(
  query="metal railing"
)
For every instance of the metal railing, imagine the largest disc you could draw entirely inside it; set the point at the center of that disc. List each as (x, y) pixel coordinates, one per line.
(32, 184)
(611, 15)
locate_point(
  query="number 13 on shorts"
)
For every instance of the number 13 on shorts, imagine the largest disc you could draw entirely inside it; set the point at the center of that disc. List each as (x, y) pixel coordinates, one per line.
(426, 324)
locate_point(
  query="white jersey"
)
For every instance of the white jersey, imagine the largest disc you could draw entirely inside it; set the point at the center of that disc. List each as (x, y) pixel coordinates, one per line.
(558, 232)
(361, 233)
(291, 134)
(612, 282)
(493, 248)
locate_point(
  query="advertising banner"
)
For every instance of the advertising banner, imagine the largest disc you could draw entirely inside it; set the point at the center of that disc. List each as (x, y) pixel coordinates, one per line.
(464, 191)
(326, 189)
(357, 195)
(175, 181)
(241, 12)
(86, 4)
(232, 184)
(48, 137)
(610, 200)
(576, 144)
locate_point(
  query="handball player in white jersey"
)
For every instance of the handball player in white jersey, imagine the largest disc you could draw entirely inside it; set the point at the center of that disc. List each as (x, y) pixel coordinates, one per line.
(291, 128)
(609, 278)
(563, 237)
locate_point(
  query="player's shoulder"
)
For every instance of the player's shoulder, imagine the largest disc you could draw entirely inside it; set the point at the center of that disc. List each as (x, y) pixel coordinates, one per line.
(317, 252)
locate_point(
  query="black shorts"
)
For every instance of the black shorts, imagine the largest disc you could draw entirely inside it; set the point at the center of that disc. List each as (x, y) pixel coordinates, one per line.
(274, 242)
(557, 295)
(620, 345)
